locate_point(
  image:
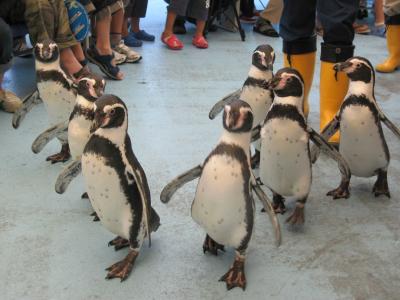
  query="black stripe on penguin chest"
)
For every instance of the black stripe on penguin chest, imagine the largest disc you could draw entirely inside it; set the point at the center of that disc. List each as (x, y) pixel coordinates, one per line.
(87, 113)
(113, 158)
(286, 111)
(238, 154)
(362, 100)
(53, 75)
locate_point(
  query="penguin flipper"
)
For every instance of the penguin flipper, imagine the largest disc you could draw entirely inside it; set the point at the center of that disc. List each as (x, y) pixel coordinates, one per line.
(266, 202)
(44, 138)
(27, 104)
(67, 175)
(256, 133)
(169, 190)
(219, 106)
(136, 170)
(329, 130)
(389, 124)
(320, 142)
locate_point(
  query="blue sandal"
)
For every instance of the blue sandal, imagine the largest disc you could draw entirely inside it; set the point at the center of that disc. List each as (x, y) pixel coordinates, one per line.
(104, 62)
(144, 36)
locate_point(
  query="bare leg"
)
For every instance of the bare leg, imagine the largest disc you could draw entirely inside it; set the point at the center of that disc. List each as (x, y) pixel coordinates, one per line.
(125, 31)
(135, 24)
(117, 22)
(169, 24)
(78, 52)
(212, 246)
(201, 24)
(381, 185)
(123, 268)
(297, 216)
(69, 61)
(235, 277)
(103, 43)
(379, 15)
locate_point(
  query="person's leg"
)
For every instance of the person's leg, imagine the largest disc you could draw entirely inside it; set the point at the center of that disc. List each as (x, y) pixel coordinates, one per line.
(337, 18)
(8, 100)
(271, 14)
(379, 15)
(198, 9)
(392, 13)
(299, 41)
(117, 20)
(175, 7)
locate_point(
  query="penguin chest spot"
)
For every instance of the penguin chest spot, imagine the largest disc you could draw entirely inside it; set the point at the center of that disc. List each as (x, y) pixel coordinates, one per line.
(220, 204)
(285, 162)
(58, 101)
(361, 141)
(106, 195)
(78, 134)
(259, 101)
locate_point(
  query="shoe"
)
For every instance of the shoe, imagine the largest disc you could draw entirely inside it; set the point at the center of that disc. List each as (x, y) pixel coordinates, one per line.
(21, 49)
(119, 57)
(130, 55)
(379, 30)
(361, 28)
(264, 27)
(106, 63)
(9, 102)
(200, 42)
(172, 42)
(131, 41)
(393, 46)
(333, 89)
(304, 63)
(144, 36)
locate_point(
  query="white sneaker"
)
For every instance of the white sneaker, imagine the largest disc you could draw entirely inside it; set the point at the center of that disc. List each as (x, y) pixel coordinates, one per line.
(119, 57)
(131, 56)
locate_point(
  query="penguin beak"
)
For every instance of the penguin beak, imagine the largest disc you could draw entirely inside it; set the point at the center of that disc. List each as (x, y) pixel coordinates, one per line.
(98, 121)
(341, 67)
(273, 83)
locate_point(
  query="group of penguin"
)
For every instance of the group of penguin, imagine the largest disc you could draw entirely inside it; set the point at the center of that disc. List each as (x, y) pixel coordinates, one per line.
(267, 111)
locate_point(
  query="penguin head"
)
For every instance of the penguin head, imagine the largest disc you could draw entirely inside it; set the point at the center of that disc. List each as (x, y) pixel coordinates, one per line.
(287, 82)
(110, 112)
(238, 117)
(264, 57)
(91, 87)
(357, 69)
(46, 51)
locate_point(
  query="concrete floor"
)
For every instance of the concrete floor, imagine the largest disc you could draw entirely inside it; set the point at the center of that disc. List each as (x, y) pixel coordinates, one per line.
(50, 248)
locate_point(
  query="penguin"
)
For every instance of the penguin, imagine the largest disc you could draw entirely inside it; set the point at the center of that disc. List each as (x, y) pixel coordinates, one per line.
(285, 165)
(116, 183)
(362, 142)
(90, 88)
(254, 91)
(56, 89)
(223, 204)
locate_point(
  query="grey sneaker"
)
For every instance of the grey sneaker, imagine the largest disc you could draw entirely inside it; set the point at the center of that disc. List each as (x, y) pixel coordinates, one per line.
(131, 56)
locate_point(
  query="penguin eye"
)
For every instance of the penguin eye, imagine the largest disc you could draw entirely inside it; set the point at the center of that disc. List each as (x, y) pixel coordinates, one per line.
(87, 84)
(289, 79)
(112, 112)
(358, 65)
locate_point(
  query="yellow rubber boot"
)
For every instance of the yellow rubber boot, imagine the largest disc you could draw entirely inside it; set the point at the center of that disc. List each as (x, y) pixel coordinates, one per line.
(304, 63)
(393, 45)
(332, 92)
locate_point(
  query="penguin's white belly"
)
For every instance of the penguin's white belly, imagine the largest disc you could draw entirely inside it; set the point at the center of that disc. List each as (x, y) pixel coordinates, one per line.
(58, 101)
(259, 100)
(219, 205)
(285, 162)
(78, 135)
(106, 195)
(360, 141)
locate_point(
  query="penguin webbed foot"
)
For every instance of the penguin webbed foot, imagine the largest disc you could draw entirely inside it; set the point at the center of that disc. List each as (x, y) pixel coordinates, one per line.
(62, 156)
(235, 277)
(123, 268)
(341, 192)
(297, 217)
(212, 246)
(96, 217)
(255, 160)
(118, 243)
(381, 186)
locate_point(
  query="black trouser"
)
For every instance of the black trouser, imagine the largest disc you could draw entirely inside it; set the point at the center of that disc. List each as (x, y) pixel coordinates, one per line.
(392, 20)
(136, 8)
(6, 44)
(337, 16)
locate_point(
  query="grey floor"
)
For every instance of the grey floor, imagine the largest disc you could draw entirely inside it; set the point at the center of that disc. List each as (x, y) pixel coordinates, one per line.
(50, 248)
